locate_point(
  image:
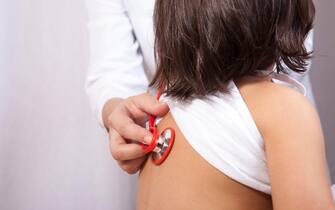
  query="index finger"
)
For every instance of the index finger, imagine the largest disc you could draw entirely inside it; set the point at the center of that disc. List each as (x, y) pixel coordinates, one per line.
(128, 129)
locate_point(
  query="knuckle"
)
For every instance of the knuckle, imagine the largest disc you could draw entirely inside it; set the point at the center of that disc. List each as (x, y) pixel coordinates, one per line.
(111, 134)
(132, 107)
(123, 129)
(111, 147)
(116, 154)
(126, 129)
(134, 171)
(130, 169)
(110, 119)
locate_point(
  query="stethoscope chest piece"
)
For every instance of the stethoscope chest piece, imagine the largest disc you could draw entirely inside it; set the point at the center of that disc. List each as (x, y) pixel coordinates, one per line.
(160, 145)
(163, 147)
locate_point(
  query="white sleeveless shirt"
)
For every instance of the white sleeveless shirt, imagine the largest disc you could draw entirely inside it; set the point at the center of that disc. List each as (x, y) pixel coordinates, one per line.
(221, 130)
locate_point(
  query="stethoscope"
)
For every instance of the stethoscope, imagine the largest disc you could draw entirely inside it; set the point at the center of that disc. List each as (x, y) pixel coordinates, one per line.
(162, 143)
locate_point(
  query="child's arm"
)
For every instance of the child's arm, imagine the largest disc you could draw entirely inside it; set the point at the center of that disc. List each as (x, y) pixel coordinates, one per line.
(295, 152)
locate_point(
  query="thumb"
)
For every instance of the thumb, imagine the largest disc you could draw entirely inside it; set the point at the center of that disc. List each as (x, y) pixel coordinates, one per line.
(161, 109)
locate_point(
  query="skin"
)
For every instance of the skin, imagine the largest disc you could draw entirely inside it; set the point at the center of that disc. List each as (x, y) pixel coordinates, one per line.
(124, 119)
(294, 146)
(185, 181)
(295, 153)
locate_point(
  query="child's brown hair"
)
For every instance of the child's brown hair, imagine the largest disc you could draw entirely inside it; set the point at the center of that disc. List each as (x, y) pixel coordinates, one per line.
(202, 44)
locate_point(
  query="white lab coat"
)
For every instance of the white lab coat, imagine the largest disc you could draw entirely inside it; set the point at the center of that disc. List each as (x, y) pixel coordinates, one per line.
(121, 50)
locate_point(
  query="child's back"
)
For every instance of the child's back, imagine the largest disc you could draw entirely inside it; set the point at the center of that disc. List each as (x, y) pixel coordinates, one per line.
(254, 137)
(221, 155)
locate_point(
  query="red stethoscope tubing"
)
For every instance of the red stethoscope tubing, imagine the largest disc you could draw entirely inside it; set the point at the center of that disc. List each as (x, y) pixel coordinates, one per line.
(153, 129)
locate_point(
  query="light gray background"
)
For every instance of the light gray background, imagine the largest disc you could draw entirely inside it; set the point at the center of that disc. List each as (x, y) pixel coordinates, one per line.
(323, 74)
(53, 155)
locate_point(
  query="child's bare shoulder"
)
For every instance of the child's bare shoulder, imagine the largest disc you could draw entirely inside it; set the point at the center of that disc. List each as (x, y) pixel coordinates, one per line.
(276, 106)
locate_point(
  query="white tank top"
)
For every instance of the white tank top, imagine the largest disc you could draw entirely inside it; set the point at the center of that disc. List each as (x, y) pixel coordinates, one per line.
(221, 130)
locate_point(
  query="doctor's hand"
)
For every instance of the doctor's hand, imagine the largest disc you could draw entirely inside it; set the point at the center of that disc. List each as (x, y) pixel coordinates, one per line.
(125, 119)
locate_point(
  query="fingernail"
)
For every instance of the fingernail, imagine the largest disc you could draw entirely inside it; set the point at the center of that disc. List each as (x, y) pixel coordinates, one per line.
(148, 139)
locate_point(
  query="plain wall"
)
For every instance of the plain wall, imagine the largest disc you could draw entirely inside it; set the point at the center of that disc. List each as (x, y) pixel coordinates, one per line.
(53, 155)
(323, 74)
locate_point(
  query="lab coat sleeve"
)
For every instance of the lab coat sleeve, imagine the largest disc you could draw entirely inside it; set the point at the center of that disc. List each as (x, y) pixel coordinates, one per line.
(115, 65)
